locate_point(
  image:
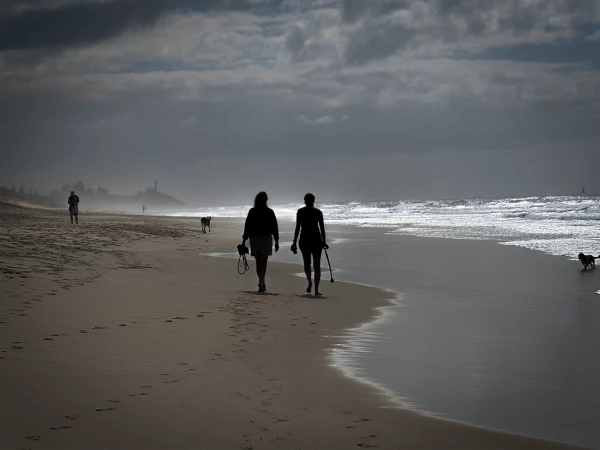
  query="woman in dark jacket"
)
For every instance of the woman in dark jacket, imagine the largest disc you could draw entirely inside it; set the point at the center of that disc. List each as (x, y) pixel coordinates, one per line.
(261, 227)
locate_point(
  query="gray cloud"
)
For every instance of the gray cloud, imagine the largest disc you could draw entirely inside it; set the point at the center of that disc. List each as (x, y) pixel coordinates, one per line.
(166, 93)
(67, 23)
(294, 42)
(380, 28)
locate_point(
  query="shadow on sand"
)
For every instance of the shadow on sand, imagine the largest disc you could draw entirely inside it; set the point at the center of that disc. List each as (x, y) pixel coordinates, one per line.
(259, 293)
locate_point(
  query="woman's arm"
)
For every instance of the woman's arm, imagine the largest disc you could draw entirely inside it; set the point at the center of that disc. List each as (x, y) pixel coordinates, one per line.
(322, 227)
(247, 226)
(275, 232)
(297, 230)
(275, 227)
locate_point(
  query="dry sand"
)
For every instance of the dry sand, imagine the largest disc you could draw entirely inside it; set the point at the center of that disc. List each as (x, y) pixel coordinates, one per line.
(119, 334)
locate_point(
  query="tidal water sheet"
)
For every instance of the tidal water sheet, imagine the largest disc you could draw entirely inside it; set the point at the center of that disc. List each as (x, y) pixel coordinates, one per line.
(493, 335)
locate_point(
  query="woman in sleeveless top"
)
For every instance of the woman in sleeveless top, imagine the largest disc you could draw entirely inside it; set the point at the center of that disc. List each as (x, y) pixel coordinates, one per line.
(310, 226)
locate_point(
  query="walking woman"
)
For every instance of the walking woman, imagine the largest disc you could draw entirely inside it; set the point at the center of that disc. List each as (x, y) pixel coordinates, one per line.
(261, 228)
(310, 226)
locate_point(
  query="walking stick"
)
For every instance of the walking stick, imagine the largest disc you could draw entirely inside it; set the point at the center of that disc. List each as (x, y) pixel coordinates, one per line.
(329, 264)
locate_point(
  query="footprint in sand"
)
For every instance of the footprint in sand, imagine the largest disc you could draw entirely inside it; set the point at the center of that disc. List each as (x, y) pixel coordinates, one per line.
(106, 409)
(83, 332)
(366, 445)
(72, 417)
(64, 427)
(171, 381)
(56, 334)
(281, 420)
(112, 400)
(179, 318)
(33, 438)
(364, 419)
(168, 320)
(137, 395)
(48, 339)
(122, 325)
(199, 315)
(99, 328)
(16, 347)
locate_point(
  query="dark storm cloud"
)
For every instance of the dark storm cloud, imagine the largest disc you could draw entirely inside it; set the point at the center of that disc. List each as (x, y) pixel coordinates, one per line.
(258, 81)
(86, 22)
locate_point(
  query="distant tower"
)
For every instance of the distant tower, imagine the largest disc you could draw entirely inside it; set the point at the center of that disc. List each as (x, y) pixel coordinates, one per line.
(155, 186)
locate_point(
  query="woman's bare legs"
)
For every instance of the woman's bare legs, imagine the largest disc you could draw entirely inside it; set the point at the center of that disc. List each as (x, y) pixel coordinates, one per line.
(261, 271)
(317, 263)
(307, 271)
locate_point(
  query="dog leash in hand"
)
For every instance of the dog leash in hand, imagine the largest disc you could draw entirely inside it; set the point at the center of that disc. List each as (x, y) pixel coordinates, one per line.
(245, 265)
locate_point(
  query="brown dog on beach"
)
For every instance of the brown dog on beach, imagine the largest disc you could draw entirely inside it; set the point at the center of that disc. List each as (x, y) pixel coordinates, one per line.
(588, 260)
(205, 221)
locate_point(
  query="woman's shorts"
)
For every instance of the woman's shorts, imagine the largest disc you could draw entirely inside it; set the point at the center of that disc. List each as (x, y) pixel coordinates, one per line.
(261, 245)
(311, 247)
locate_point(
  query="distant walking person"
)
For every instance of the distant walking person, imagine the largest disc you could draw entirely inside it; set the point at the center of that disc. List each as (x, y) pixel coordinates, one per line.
(310, 226)
(73, 206)
(261, 227)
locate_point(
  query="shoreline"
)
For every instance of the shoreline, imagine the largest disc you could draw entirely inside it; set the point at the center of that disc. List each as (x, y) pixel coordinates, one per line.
(390, 400)
(137, 321)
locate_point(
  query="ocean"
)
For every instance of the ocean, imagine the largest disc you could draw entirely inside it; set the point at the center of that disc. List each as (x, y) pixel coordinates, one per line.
(557, 225)
(500, 336)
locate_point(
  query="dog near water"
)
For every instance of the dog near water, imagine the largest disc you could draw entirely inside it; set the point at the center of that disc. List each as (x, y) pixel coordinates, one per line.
(588, 260)
(205, 221)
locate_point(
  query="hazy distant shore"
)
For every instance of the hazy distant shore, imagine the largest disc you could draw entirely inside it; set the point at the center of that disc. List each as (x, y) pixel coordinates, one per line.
(118, 334)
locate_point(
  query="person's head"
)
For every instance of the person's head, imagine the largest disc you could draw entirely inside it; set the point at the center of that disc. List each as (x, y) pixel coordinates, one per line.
(260, 201)
(72, 192)
(309, 199)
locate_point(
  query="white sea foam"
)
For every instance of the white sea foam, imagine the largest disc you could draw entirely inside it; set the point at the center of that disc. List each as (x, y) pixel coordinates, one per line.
(559, 225)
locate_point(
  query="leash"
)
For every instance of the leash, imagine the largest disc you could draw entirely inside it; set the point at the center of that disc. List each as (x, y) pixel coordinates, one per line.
(329, 264)
(245, 266)
(242, 251)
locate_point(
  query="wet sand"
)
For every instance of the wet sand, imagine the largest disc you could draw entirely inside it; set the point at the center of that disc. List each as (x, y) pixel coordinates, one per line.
(118, 333)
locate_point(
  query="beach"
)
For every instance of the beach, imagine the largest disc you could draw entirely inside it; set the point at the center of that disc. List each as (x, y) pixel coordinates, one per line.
(123, 333)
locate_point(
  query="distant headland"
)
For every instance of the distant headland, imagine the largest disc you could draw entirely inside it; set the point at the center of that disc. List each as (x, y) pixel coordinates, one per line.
(100, 198)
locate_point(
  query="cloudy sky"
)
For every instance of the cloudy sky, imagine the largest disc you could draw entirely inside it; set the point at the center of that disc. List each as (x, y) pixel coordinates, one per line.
(350, 99)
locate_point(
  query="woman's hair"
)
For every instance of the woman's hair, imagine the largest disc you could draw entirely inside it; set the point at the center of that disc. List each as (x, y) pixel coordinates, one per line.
(309, 198)
(261, 199)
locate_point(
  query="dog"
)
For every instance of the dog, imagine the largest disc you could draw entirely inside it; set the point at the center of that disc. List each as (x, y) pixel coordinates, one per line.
(205, 221)
(588, 260)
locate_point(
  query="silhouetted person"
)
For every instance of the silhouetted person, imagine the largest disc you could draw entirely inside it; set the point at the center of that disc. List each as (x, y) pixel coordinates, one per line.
(73, 206)
(143, 209)
(310, 226)
(261, 227)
